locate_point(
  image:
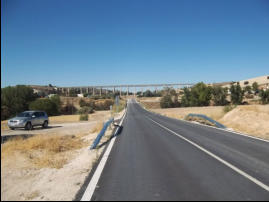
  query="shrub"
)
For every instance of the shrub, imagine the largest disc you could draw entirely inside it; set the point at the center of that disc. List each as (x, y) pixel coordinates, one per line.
(82, 103)
(103, 104)
(166, 101)
(45, 104)
(85, 110)
(83, 117)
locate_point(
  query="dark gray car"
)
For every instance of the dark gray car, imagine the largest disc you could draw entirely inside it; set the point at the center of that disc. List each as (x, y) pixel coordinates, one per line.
(28, 120)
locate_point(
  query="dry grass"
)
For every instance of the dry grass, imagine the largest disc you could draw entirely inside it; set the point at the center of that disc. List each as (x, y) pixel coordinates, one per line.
(4, 126)
(250, 119)
(215, 112)
(98, 127)
(64, 119)
(43, 151)
(32, 195)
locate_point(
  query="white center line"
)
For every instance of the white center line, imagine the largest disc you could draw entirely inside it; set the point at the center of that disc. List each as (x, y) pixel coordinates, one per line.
(259, 183)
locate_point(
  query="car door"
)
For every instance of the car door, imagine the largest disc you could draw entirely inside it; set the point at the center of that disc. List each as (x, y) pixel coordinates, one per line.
(41, 118)
(35, 119)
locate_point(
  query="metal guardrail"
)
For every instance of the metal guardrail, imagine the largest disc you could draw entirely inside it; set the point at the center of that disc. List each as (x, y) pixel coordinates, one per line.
(101, 134)
(217, 124)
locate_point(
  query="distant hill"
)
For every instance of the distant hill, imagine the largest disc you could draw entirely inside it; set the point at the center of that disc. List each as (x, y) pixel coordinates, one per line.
(263, 82)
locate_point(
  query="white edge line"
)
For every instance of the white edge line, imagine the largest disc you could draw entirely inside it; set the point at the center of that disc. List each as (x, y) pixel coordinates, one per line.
(97, 174)
(257, 182)
(234, 132)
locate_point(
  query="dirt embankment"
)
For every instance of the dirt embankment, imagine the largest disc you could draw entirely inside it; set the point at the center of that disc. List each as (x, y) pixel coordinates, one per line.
(250, 119)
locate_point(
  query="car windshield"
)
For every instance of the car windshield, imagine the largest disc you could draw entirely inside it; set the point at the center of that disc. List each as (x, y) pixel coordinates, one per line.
(24, 114)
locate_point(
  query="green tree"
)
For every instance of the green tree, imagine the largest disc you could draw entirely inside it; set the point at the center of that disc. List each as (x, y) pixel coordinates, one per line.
(15, 100)
(185, 100)
(237, 94)
(264, 95)
(219, 95)
(166, 101)
(200, 95)
(56, 99)
(148, 93)
(248, 89)
(255, 88)
(45, 104)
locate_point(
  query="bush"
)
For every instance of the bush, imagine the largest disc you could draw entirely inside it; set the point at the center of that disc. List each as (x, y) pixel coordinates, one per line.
(85, 110)
(52, 106)
(83, 117)
(103, 104)
(166, 101)
(83, 103)
(45, 104)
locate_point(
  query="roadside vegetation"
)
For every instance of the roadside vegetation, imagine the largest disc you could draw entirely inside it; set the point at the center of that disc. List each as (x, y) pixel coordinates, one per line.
(22, 98)
(15, 100)
(201, 95)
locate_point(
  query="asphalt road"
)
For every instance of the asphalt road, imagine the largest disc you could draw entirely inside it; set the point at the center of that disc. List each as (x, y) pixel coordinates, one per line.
(159, 158)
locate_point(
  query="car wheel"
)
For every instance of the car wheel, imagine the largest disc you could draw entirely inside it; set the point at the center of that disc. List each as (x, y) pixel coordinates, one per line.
(28, 126)
(45, 124)
(12, 128)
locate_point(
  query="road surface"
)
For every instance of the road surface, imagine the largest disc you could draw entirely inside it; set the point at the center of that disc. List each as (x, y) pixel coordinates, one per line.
(159, 158)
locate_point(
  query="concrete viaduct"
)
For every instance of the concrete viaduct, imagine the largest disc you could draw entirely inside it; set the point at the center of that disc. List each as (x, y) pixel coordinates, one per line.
(104, 89)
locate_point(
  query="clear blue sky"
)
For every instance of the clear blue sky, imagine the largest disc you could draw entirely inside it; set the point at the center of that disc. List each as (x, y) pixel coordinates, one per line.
(87, 42)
